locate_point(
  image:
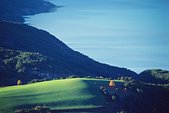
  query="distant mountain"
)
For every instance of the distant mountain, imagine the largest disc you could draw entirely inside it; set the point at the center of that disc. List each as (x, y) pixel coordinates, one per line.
(14, 10)
(21, 45)
(158, 76)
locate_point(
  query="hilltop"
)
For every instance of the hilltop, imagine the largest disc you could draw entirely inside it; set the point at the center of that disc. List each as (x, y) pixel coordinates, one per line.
(157, 76)
(85, 95)
(56, 94)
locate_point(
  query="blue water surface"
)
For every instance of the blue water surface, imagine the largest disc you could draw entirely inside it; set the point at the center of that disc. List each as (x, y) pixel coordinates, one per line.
(125, 33)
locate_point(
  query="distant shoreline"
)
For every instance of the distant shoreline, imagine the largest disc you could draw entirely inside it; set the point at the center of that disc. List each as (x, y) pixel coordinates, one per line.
(18, 13)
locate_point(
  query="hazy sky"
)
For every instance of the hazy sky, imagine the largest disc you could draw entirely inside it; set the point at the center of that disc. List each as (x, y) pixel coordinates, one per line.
(125, 33)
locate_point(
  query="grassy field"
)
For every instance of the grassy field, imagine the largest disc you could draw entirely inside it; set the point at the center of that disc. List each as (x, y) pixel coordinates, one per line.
(78, 93)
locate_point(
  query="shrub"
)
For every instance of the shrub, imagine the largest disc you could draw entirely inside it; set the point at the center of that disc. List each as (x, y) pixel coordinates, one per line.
(19, 82)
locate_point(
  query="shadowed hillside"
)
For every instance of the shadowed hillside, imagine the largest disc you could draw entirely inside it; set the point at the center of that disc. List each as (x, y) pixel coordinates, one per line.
(61, 60)
(158, 76)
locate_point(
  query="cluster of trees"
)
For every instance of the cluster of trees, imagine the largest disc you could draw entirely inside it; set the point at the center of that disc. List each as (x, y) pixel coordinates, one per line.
(160, 74)
(47, 79)
(99, 77)
(67, 77)
(92, 77)
(20, 60)
(132, 83)
(156, 85)
(128, 81)
(37, 80)
(37, 109)
(109, 97)
(125, 78)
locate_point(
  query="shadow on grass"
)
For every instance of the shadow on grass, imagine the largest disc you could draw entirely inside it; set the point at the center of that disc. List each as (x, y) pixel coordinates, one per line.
(30, 95)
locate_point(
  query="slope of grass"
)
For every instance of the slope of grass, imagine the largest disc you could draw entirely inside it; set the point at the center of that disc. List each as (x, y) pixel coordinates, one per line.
(76, 93)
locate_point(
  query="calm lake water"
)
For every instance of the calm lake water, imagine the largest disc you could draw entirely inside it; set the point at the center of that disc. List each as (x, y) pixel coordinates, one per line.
(125, 33)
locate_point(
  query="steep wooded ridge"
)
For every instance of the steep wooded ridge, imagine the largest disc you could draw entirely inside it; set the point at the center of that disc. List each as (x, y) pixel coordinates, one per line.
(14, 10)
(21, 44)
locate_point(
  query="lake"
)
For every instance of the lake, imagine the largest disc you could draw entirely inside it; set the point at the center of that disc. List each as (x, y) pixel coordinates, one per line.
(124, 33)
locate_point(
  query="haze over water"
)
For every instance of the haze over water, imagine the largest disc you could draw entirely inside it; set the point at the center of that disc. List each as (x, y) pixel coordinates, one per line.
(125, 33)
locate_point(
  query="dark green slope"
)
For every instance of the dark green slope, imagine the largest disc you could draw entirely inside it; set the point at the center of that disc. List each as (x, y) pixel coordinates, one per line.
(157, 76)
(61, 60)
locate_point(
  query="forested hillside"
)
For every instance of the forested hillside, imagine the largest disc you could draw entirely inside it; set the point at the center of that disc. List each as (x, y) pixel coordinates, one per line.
(23, 41)
(158, 76)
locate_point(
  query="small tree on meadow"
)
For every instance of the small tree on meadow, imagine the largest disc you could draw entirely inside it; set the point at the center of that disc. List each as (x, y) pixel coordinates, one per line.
(19, 82)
